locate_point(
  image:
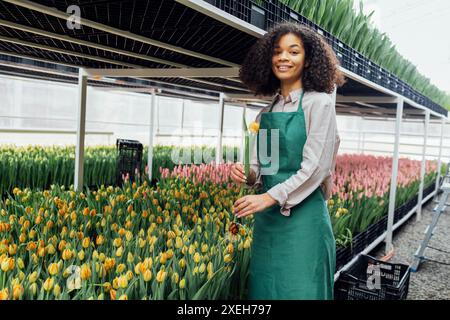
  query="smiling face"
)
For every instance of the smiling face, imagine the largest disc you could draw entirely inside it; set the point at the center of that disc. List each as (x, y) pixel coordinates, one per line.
(288, 58)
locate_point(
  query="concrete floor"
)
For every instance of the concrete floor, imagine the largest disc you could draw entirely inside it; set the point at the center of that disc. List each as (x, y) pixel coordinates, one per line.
(432, 281)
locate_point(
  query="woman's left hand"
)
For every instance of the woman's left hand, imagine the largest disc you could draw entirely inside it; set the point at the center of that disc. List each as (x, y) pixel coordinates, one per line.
(252, 204)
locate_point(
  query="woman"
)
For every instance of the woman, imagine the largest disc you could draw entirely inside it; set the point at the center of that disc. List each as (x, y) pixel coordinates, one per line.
(293, 248)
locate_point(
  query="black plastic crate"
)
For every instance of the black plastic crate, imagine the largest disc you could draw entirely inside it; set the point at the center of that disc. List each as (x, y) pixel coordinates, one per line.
(372, 279)
(382, 225)
(371, 234)
(343, 256)
(358, 243)
(129, 159)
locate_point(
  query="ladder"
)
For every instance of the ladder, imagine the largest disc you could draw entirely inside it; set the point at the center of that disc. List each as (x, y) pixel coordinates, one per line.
(438, 210)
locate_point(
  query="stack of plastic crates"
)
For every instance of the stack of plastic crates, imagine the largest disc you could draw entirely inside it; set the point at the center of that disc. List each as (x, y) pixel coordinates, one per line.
(372, 279)
(129, 160)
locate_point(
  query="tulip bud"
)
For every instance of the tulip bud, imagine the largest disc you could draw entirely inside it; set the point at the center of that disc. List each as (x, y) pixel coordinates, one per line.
(161, 276)
(57, 290)
(147, 275)
(120, 268)
(53, 269)
(130, 258)
(32, 289)
(119, 252)
(123, 282)
(182, 283)
(85, 272)
(48, 284)
(227, 258)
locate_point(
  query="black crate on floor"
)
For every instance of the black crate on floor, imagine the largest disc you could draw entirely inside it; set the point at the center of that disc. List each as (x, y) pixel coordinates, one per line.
(372, 279)
(129, 159)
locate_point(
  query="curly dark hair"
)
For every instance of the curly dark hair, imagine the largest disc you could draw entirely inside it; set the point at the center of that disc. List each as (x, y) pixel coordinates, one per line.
(320, 73)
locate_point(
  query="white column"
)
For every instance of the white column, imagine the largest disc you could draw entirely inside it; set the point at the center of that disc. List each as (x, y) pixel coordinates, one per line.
(81, 130)
(153, 106)
(241, 154)
(440, 155)
(220, 133)
(182, 114)
(393, 189)
(422, 168)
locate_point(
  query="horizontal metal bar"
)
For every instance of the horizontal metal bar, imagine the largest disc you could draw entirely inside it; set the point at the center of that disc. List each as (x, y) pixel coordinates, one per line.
(166, 73)
(53, 131)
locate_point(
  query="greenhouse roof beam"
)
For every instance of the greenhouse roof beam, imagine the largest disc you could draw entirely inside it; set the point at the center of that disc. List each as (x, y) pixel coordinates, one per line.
(222, 16)
(386, 91)
(166, 73)
(122, 33)
(63, 51)
(366, 99)
(89, 44)
(105, 60)
(75, 75)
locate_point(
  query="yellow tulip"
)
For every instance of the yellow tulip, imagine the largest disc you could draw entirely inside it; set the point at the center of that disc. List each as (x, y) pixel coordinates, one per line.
(112, 294)
(85, 272)
(81, 255)
(182, 283)
(247, 243)
(107, 287)
(33, 277)
(175, 277)
(117, 242)
(53, 269)
(123, 297)
(57, 290)
(4, 294)
(161, 276)
(147, 275)
(129, 236)
(50, 249)
(253, 127)
(148, 262)
(130, 258)
(123, 282)
(86, 242)
(32, 289)
(48, 284)
(119, 252)
(129, 275)
(17, 291)
(163, 258)
(178, 243)
(202, 268)
(227, 258)
(197, 257)
(99, 240)
(67, 254)
(210, 267)
(12, 249)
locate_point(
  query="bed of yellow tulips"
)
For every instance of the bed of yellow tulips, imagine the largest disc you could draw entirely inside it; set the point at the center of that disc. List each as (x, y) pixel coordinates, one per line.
(178, 241)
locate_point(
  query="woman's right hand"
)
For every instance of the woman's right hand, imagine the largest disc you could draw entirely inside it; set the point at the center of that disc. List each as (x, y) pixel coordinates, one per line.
(237, 173)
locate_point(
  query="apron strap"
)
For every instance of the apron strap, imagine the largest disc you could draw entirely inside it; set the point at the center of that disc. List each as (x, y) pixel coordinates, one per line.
(300, 102)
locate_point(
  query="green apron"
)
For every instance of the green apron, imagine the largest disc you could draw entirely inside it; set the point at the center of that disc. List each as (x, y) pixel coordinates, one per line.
(292, 257)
